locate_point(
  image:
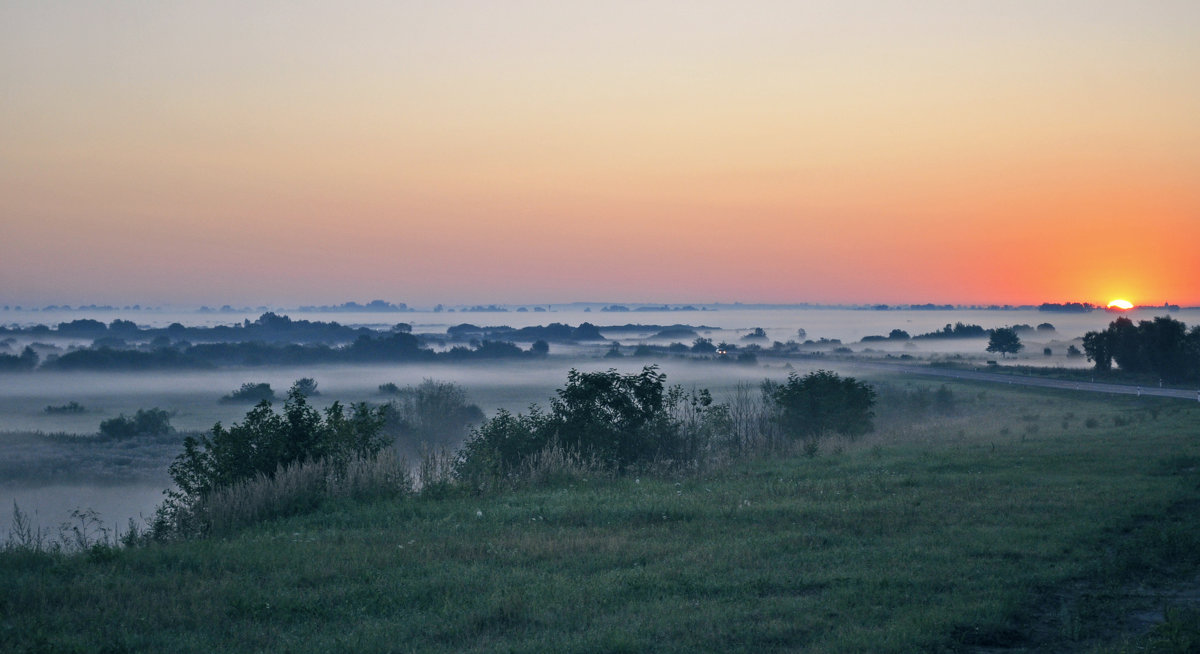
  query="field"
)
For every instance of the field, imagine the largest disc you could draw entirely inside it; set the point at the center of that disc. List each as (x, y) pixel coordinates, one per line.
(1023, 521)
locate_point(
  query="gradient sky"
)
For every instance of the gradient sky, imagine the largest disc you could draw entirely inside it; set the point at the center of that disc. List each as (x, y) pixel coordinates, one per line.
(422, 152)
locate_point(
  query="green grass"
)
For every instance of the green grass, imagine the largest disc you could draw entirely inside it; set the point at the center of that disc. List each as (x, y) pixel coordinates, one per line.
(957, 533)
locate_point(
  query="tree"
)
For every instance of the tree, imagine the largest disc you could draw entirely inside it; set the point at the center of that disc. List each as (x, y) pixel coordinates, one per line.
(307, 386)
(1005, 341)
(822, 401)
(1163, 346)
(1124, 343)
(703, 346)
(146, 422)
(619, 419)
(1096, 346)
(252, 393)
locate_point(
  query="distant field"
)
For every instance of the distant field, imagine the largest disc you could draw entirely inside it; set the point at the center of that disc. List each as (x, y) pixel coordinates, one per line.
(1024, 521)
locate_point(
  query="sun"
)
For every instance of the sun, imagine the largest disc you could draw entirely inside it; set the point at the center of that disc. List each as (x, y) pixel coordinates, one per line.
(1123, 305)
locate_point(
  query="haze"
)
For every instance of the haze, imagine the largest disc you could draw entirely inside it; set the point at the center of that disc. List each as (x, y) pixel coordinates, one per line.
(1013, 152)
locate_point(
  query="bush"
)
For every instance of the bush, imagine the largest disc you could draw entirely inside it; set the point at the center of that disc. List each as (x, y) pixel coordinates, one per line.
(821, 401)
(433, 412)
(390, 388)
(146, 422)
(251, 393)
(306, 385)
(500, 445)
(70, 407)
(262, 444)
(611, 420)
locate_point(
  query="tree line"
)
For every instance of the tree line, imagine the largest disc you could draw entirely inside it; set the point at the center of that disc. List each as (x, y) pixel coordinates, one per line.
(1162, 346)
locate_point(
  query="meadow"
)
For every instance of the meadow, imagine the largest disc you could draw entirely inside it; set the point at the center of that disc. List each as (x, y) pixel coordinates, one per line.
(1020, 520)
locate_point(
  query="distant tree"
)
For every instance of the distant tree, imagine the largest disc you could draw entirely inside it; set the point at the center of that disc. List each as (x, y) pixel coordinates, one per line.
(252, 393)
(28, 360)
(898, 335)
(70, 407)
(1125, 345)
(540, 348)
(1073, 351)
(1096, 345)
(756, 334)
(703, 346)
(1045, 327)
(1005, 341)
(1163, 346)
(146, 422)
(1047, 351)
(614, 351)
(389, 388)
(801, 334)
(432, 412)
(307, 386)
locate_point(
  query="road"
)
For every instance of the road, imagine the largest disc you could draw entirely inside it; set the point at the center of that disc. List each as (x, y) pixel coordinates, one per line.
(1019, 380)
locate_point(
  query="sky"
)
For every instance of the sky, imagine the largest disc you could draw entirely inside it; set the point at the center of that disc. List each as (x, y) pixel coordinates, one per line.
(517, 152)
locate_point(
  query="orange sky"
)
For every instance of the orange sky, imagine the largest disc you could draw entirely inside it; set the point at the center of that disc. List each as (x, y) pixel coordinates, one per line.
(1013, 152)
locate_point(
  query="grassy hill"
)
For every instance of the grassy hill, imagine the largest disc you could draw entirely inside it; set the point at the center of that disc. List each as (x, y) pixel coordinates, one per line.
(1028, 521)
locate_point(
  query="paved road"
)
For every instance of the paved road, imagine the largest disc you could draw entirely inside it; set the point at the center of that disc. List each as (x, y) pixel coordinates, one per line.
(1003, 378)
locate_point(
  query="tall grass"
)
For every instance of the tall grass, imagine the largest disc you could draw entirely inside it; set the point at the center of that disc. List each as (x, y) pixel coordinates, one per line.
(293, 489)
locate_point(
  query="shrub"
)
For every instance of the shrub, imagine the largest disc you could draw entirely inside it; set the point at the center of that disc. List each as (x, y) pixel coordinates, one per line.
(251, 393)
(432, 412)
(389, 388)
(70, 407)
(617, 418)
(500, 445)
(610, 420)
(307, 386)
(146, 422)
(262, 444)
(821, 402)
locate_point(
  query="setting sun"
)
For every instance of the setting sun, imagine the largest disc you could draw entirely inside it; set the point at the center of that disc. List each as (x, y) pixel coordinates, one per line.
(1120, 304)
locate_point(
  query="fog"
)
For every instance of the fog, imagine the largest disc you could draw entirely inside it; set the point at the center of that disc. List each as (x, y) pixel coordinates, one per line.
(54, 466)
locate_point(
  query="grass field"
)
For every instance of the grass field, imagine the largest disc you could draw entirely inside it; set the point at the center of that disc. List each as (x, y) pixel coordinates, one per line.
(1025, 521)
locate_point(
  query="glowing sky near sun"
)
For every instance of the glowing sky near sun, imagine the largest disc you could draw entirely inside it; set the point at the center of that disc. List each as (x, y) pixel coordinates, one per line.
(1007, 152)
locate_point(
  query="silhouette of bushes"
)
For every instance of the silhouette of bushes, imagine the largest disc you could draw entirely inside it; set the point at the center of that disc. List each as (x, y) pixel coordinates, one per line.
(146, 422)
(614, 420)
(820, 402)
(70, 407)
(260, 446)
(251, 393)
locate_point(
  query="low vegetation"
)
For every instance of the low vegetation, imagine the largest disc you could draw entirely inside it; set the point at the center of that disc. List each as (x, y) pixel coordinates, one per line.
(251, 393)
(264, 445)
(146, 422)
(62, 409)
(990, 519)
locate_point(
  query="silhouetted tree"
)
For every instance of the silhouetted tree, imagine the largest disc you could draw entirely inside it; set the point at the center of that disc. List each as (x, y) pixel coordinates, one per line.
(1005, 341)
(1096, 346)
(703, 346)
(307, 386)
